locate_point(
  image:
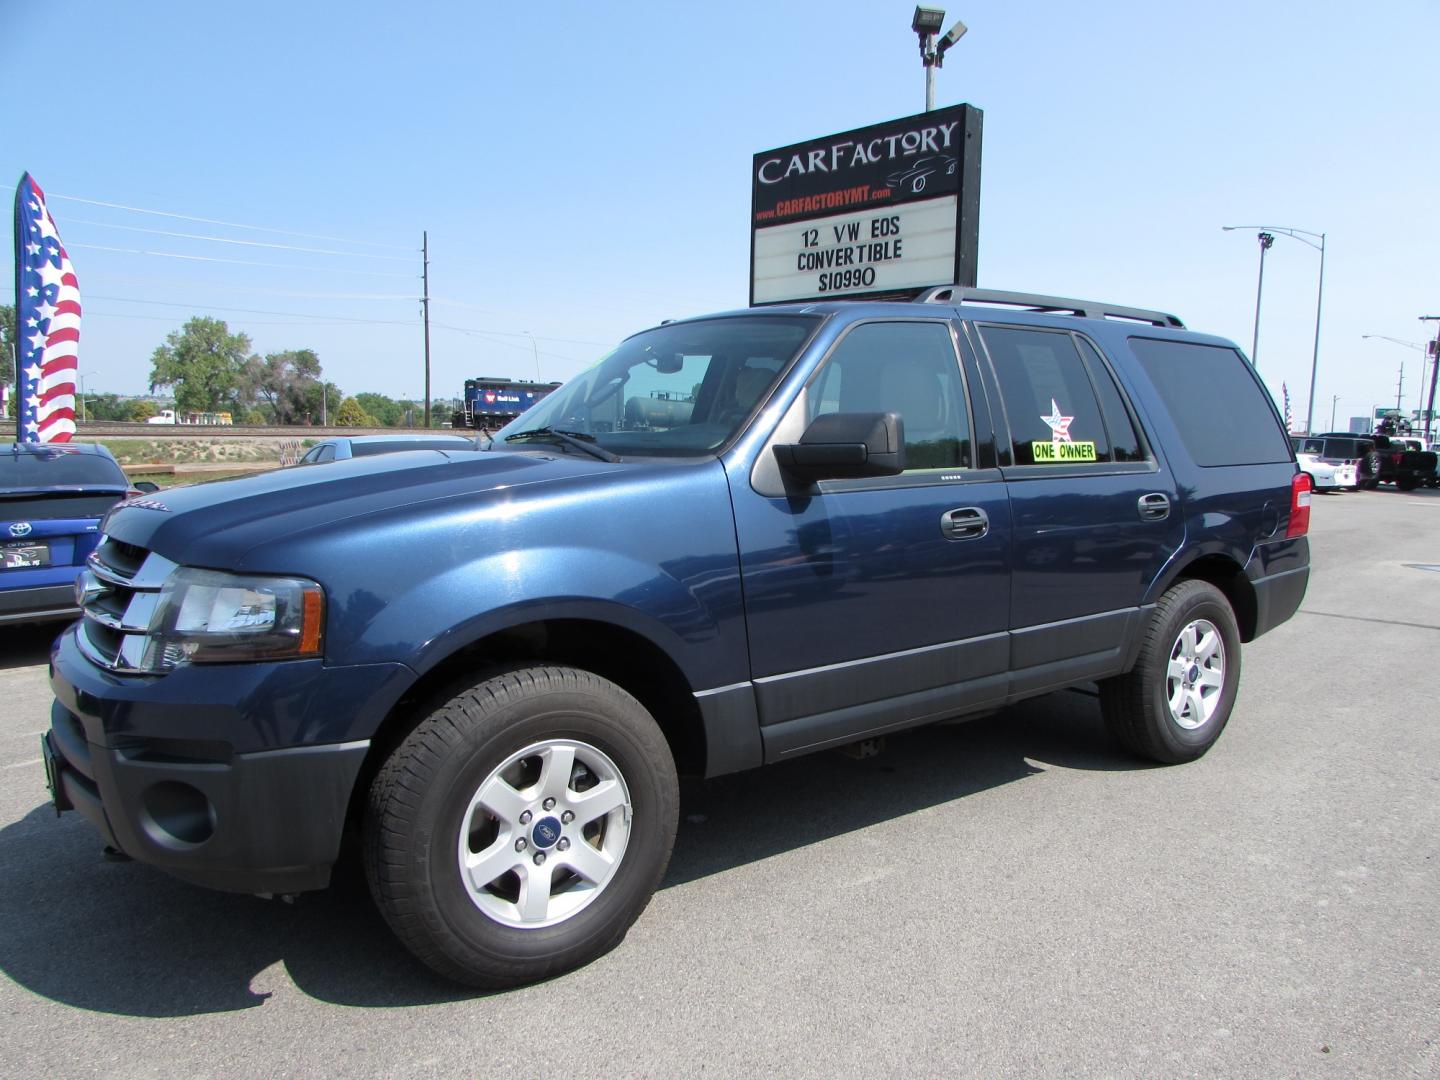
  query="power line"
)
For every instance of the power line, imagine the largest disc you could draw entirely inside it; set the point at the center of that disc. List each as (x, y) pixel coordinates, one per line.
(521, 333)
(255, 311)
(264, 289)
(172, 319)
(227, 224)
(245, 243)
(238, 262)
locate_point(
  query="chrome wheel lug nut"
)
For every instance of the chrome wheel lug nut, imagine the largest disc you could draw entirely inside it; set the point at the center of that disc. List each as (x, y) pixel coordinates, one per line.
(525, 816)
(549, 804)
(563, 845)
(521, 845)
(540, 858)
(567, 817)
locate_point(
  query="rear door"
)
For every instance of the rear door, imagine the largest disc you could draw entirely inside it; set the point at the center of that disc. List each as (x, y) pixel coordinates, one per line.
(1094, 509)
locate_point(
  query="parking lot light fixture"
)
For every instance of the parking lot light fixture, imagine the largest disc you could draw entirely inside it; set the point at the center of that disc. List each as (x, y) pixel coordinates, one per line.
(926, 23)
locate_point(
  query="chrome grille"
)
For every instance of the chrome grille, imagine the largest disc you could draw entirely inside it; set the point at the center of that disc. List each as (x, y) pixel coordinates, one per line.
(117, 615)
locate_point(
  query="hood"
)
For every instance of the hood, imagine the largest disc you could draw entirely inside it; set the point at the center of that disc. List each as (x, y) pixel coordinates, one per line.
(214, 524)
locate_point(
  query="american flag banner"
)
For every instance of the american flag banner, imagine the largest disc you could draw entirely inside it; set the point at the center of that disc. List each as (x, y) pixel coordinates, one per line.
(47, 322)
(1289, 419)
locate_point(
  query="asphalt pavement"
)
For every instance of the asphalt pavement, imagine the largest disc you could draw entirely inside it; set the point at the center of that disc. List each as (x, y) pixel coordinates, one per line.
(1010, 896)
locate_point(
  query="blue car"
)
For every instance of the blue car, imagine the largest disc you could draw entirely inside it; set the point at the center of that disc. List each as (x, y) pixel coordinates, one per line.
(51, 501)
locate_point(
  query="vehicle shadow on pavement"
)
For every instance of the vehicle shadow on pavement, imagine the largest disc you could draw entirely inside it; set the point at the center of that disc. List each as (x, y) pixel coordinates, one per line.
(27, 644)
(119, 937)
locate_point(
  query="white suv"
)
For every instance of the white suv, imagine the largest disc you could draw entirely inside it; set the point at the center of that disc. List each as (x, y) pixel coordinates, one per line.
(1326, 473)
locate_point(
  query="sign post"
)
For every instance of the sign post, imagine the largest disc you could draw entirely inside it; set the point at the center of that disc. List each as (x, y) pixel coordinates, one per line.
(879, 211)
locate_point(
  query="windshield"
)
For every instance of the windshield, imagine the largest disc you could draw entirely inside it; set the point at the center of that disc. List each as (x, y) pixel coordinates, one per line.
(682, 389)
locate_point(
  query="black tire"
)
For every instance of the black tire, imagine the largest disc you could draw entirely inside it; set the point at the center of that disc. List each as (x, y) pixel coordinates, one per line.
(423, 795)
(1136, 706)
(1407, 483)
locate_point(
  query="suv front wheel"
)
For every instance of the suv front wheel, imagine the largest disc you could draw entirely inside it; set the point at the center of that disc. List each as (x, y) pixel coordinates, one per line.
(522, 826)
(1172, 706)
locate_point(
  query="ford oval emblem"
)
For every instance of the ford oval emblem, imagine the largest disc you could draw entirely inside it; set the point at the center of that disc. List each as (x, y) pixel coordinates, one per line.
(21, 528)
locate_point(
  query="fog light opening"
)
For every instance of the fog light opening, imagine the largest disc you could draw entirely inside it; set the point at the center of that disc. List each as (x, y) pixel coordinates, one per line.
(177, 813)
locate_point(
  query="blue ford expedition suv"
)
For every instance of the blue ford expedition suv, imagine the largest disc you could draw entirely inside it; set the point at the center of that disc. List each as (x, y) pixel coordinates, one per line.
(734, 540)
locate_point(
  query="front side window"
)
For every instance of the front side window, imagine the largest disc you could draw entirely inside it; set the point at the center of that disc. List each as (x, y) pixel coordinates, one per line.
(908, 368)
(683, 389)
(1054, 413)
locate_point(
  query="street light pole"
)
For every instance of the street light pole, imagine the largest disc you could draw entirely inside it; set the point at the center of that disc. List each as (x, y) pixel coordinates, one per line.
(84, 416)
(1266, 241)
(1305, 236)
(536, 350)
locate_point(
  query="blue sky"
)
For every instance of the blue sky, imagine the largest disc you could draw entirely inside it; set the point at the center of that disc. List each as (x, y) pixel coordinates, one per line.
(585, 173)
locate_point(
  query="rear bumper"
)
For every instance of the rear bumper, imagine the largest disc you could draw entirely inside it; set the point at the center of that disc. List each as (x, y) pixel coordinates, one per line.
(38, 604)
(1278, 597)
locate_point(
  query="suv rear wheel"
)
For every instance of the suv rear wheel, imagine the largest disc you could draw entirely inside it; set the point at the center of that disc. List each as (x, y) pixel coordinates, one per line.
(1172, 706)
(522, 827)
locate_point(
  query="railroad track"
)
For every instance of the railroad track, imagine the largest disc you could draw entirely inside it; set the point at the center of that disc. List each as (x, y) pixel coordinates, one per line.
(117, 429)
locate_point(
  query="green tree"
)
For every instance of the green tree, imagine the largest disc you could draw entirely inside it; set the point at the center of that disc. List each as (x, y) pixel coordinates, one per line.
(285, 381)
(140, 410)
(107, 407)
(389, 412)
(351, 414)
(7, 343)
(204, 364)
(256, 418)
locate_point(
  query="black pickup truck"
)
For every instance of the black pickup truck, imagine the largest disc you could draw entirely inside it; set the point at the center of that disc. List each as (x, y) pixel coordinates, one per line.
(1404, 463)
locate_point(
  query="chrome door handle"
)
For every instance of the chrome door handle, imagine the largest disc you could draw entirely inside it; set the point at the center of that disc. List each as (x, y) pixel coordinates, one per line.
(966, 523)
(1154, 507)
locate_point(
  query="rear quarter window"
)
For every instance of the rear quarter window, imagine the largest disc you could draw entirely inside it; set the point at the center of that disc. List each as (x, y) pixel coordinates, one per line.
(1222, 412)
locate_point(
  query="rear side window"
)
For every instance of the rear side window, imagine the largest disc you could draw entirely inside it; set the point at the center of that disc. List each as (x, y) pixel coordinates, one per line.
(368, 449)
(1308, 446)
(1223, 414)
(1050, 401)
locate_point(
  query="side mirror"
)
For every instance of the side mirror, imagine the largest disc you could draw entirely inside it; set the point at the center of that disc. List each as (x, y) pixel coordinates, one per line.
(846, 446)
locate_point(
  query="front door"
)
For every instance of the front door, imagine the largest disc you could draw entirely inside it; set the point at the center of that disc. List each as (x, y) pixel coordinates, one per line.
(874, 604)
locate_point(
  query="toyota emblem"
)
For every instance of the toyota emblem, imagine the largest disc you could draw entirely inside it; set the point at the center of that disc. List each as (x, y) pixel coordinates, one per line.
(20, 528)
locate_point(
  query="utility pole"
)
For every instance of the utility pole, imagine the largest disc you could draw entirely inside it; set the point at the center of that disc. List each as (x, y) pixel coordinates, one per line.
(1399, 387)
(1433, 348)
(425, 306)
(1333, 402)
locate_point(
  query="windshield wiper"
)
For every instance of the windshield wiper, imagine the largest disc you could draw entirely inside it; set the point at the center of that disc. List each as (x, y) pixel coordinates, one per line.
(577, 439)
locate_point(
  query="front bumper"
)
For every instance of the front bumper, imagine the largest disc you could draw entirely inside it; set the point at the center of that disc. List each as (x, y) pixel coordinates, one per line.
(234, 777)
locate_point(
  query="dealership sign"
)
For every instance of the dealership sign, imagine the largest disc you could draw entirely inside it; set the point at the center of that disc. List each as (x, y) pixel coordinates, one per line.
(880, 210)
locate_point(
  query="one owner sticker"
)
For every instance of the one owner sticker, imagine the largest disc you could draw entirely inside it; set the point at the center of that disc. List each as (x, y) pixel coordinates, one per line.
(1061, 446)
(1062, 451)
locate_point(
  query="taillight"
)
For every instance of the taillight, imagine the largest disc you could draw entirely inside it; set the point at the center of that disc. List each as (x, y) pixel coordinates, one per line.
(1299, 506)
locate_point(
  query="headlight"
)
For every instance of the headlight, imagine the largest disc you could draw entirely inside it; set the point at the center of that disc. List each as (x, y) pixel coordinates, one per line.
(206, 617)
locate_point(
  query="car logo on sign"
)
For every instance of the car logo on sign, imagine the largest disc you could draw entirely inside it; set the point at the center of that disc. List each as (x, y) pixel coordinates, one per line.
(20, 528)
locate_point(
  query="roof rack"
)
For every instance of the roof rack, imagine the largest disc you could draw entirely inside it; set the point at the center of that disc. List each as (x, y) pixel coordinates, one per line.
(1050, 305)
